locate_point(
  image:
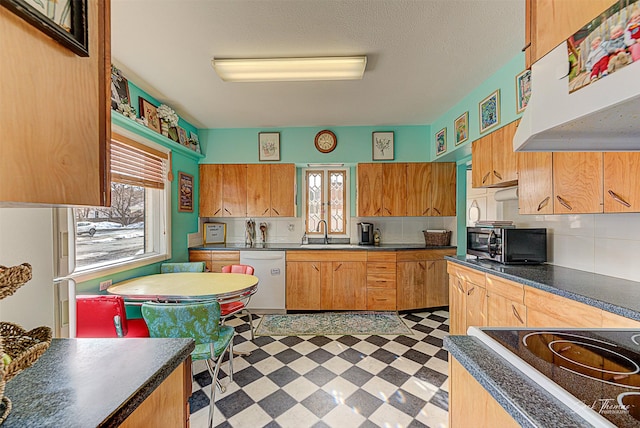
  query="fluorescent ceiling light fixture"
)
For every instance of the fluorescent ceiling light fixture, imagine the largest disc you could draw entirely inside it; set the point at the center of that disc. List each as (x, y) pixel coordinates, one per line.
(290, 69)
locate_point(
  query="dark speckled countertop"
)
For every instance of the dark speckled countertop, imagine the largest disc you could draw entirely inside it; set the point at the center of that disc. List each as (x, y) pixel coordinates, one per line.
(296, 246)
(528, 403)
(619, 296)
(91, 382)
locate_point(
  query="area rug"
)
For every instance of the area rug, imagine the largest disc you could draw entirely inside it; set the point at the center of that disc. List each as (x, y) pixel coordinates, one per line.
(332, 323)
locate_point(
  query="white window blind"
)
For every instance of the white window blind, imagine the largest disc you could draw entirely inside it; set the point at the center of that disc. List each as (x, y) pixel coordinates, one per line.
(136, 164)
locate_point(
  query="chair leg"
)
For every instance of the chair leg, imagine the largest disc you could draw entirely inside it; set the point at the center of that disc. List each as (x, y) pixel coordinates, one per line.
(250, 323)
(213, 371)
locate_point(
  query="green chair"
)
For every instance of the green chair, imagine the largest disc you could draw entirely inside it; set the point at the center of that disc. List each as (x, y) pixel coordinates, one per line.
(182, 267)
(201, 322)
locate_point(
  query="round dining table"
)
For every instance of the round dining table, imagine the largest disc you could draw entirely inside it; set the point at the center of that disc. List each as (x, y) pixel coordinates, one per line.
(187, 286)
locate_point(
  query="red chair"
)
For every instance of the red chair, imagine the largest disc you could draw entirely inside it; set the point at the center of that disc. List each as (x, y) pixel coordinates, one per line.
(229, 309)
(105, 316)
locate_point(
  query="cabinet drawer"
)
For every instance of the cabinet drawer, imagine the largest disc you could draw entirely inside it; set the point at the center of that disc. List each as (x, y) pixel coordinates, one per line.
(505, 288)
(381, 268)
(383, 280)
(233, 256)
(381, 256)
(466, 274)
(611, 320)
(199, 255)
(380, 299)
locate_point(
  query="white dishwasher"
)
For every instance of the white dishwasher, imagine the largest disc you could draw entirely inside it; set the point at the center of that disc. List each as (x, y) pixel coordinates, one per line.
(270, 269)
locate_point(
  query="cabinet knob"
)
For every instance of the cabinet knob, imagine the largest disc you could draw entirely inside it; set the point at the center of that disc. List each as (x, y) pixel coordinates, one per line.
(275, 211)
(543, 203)
(516, 314)
(497, 174)
(484, 179)
(437, 211)
(564, 203)
(619, 199)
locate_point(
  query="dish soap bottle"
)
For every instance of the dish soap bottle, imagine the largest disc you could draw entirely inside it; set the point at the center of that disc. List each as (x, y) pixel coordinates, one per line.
(376, 237)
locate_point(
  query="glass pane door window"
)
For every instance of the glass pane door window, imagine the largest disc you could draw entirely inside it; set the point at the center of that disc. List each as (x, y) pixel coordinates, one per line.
(326, 199)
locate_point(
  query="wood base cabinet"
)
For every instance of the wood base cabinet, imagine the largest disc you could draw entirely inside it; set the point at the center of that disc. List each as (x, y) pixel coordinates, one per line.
(468, 298)
(470, 405)
(422, 279)
(168, 405)
(381, 280)
(214, 260)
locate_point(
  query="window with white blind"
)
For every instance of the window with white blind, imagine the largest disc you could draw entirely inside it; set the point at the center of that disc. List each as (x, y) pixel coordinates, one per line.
(326, 199)
(135, 227)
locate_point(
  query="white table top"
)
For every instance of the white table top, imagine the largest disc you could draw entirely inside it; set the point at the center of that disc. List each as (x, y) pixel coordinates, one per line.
(187, 286)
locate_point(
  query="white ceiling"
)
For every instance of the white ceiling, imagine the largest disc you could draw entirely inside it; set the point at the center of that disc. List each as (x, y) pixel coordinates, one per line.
(424, 56)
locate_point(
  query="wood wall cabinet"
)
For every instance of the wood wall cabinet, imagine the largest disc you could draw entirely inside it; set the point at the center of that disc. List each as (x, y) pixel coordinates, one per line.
(53, 153)
(338, 278)
(471, 405)
(406, 189)
(431, 189)
(577, 182)
(621, 178)
(381, 281)
(550, 22)
(241, 190)
(495, 164)
(168, 404)
(422, 280)
(535, 183)
(214, 260)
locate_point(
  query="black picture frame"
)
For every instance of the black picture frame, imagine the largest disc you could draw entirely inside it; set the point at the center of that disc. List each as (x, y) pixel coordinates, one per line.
(76, 39)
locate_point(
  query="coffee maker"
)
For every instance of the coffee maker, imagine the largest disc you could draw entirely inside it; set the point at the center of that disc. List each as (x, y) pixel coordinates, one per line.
(365, 233)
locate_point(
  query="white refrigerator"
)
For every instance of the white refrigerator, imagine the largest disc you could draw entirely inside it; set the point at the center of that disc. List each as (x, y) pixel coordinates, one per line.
(26, 235)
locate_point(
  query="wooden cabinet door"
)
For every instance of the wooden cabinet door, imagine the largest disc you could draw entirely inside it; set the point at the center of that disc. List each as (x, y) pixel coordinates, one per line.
(577, 182)
(553, 21)
(457, 305)
(370, 189)
(234, 190)
(419, 188)
(55, 113)
(394, 195)
(211, 190)
(283, 190)
(348, 286)
(411, 284)
(545, 309)
(437, 284)
(470, 405)
(621, 178)
(505, 161)
(303, 285)
(481, 162)
(535, 183)
(502, 312)
(258, 190)
(476, 305)
(443, 195)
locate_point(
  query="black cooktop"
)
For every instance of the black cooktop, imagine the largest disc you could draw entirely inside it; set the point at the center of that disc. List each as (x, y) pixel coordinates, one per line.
(600, 369)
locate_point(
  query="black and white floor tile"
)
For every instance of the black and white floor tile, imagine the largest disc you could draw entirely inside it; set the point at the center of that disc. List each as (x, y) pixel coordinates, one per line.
(332, 381)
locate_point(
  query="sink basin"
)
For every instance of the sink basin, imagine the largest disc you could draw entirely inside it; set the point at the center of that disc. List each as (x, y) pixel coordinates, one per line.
(329, 246)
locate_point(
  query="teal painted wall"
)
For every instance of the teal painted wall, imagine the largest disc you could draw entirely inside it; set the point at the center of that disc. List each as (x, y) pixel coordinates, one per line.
(297, 144)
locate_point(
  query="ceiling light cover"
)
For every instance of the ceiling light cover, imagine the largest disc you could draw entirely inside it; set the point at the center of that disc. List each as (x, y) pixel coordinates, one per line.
(290, 69)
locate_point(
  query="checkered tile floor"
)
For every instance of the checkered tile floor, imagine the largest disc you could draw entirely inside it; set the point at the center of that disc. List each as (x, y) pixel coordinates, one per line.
(332, 381)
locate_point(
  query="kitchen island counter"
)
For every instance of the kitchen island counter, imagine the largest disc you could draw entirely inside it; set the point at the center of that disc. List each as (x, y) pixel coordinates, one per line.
(615, 295)
(92, 382)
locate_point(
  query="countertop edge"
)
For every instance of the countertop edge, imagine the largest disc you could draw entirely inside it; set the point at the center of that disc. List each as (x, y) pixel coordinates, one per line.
(145, 390)
(607, 306)
(529, 404)
(296, 247)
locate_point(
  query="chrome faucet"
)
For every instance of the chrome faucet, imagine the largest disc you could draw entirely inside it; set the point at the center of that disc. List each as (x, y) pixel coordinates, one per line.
(326, 238)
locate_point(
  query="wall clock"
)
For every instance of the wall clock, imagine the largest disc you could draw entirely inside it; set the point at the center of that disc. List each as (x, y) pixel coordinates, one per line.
(326, 141)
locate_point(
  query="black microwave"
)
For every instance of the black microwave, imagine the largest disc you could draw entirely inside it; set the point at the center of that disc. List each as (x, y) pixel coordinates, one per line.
(508, 245)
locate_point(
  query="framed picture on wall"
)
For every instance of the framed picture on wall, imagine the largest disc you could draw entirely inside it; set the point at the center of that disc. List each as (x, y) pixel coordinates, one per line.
(441, 141)
(269, 146)
(490, 111)
(119, 89)
(382, 145)
(461, 127)
(214, 233)
(185, 186)
(523, 90)
(150, 112)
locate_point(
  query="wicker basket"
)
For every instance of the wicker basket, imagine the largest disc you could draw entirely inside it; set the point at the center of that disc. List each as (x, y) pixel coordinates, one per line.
(437, 239)
(24, 347)
(12, 278)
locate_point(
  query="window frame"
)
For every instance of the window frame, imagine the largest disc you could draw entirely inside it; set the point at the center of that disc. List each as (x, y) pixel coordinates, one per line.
(326, 173)
(66, 230)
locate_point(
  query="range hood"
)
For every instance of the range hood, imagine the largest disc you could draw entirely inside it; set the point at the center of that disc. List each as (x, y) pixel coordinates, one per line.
(602, 116)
